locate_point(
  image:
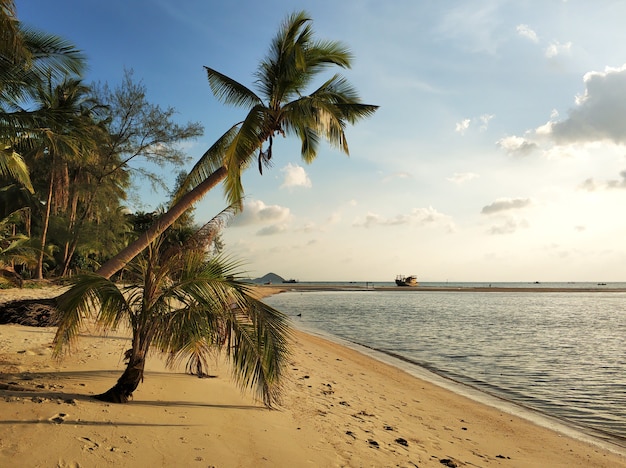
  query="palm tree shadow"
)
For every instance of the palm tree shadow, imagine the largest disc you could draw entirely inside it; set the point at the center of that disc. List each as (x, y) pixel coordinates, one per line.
(14, 389)
(91, 423)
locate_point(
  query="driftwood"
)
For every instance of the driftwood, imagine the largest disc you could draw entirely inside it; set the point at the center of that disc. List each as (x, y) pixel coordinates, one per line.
(29, 312)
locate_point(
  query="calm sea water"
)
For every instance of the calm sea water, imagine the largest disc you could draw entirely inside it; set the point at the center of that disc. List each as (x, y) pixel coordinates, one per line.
(562, 354)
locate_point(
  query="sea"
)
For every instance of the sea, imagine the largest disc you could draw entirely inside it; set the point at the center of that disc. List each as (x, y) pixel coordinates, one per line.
(558, 354)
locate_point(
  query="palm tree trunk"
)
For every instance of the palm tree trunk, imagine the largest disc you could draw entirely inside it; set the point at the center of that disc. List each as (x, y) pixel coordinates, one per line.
(118, 262)
(68, 250)
(44, 232)
(127, 383)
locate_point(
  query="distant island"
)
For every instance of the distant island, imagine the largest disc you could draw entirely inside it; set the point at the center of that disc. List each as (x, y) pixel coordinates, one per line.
(271, 278)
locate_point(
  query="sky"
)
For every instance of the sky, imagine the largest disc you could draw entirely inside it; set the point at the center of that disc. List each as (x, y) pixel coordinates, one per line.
(498, 152)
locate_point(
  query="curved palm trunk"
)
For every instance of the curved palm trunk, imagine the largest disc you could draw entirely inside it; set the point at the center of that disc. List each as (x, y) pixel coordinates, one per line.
(118, 262)
(127, 383)
(123, 390)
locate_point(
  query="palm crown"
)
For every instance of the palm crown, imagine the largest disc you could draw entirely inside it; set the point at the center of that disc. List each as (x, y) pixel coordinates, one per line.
(293, 63)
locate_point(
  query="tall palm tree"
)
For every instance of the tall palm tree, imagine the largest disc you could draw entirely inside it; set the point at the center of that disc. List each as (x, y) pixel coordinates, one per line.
(59, 145)
(184, 305)
(27, 58)
(294, 62)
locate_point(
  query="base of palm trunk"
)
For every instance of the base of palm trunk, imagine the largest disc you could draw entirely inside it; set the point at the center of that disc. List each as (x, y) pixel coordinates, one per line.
(114, 395)
(123, 390)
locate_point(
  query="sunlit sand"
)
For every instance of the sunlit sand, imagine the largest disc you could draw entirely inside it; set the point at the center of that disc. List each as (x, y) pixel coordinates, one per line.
(340, 408)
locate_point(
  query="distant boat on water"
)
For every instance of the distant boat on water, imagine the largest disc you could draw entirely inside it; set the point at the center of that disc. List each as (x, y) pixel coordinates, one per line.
(402, 280)
(290, 281)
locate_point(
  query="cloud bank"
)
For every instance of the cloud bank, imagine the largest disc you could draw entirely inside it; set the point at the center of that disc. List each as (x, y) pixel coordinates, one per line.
(600, 112)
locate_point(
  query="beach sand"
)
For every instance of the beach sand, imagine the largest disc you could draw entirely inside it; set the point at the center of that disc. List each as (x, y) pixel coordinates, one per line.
(340, 408)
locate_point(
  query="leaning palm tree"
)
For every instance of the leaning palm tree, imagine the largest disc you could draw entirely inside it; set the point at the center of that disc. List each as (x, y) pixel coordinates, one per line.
(178, 302)
(281, 107)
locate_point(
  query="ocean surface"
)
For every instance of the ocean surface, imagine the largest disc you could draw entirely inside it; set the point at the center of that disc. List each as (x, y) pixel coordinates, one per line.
(559, 353)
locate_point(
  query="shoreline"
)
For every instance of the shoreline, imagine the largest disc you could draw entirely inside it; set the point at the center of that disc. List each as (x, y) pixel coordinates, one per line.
(341, 407)
(479, 395)
(278, 288)
(568, 428)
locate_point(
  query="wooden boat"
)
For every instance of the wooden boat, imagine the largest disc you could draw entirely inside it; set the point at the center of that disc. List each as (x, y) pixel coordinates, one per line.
(402, 280)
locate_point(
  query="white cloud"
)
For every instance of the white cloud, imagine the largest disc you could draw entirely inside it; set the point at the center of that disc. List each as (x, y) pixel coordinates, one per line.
(462, 126)
(517, 146)
(295, 176)
(600, 112)
(590, 185)
(418, 216)
(505, 204)
(257, 212)
(556, 48)
(525, 31)
(484, 121)
(272, 230)
(461, 177)
(509, 226)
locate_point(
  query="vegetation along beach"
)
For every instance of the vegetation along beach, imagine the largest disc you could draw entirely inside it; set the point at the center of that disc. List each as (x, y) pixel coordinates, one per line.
(136, 329)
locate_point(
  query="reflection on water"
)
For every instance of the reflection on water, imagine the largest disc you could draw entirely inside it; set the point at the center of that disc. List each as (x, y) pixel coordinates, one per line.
(560, 353)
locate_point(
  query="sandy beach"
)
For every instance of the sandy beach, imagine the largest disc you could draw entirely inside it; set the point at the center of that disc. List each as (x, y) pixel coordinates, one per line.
(340, 408)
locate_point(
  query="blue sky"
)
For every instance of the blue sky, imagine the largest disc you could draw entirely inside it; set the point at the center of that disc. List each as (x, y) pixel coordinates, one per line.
(498, 152)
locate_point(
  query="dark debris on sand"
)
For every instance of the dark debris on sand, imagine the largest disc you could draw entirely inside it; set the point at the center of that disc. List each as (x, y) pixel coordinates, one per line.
(29, 312)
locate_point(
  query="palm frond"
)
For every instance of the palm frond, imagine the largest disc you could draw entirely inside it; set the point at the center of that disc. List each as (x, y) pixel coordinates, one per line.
(239, 154)
(259, 348)
(204, 236)
(230, 91)
(88, 293)
(14, 166)
(310, 143)
(52, 54)
(209, 162)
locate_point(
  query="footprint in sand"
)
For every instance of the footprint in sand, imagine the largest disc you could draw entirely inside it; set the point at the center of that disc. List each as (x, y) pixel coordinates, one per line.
(89, 444)
(58, 418)
(64, 464)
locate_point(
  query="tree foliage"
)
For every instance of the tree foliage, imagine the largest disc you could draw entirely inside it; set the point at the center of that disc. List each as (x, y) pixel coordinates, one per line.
(180, 302)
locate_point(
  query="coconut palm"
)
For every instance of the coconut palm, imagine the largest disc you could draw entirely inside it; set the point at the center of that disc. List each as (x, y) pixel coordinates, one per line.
(27, 58)
(59, 147)
(178, 302)
(15, 249)
(294, 62)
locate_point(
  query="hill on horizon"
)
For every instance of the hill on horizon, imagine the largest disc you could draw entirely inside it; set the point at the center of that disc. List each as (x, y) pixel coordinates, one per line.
(269, 278)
